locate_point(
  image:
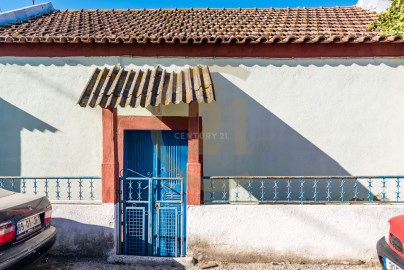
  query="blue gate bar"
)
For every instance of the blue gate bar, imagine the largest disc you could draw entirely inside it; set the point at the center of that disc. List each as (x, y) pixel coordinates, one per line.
(140, 193)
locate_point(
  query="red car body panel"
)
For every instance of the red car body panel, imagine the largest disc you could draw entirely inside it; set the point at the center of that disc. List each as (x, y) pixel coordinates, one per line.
(397, 229)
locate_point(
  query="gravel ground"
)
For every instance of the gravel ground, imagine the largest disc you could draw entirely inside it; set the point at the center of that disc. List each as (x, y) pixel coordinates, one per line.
(96, 264)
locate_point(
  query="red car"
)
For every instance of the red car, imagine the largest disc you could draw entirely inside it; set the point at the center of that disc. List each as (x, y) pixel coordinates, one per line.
(390, 248)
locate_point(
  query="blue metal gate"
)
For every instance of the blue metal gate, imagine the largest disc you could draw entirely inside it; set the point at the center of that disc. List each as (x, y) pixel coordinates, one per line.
(152, 193)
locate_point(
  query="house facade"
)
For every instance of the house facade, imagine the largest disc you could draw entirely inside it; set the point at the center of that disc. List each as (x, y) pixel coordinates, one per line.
(188, 115)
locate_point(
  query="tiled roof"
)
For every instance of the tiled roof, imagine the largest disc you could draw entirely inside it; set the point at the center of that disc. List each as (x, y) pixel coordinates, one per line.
(270, 25)
(110, 88)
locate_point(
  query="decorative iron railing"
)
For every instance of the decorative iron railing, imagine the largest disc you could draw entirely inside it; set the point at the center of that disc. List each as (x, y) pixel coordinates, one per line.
(56, 188)
(302, 189)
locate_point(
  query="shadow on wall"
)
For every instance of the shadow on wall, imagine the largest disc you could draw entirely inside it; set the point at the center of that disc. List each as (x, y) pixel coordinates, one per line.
(79, 239)
(243, 138)
(12, 121)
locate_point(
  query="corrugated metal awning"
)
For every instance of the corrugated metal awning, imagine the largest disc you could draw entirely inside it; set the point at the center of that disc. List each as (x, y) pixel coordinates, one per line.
(113, 87)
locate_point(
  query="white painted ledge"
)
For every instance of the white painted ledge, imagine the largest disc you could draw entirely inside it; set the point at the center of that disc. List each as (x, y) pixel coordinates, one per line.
(26, 13)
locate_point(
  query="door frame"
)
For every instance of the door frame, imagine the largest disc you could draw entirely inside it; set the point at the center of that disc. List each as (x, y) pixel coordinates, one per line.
(113, 127)
(153, 123)
(179, 123)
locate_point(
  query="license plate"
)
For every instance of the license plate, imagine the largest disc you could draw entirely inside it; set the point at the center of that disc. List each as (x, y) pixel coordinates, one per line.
(389, 265)
(28, 224)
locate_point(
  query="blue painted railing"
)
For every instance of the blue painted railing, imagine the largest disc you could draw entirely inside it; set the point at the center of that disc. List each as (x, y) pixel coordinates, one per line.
(302, 189)
(56, 188)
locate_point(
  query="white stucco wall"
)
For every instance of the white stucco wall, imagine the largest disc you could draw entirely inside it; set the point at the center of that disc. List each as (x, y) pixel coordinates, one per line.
(43, 131)
(244, 233)
(271, 117)
(83, 230)
(318, 117)
(294, 233)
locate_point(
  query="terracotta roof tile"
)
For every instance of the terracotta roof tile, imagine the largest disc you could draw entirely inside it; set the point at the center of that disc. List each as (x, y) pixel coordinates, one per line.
(271, 25)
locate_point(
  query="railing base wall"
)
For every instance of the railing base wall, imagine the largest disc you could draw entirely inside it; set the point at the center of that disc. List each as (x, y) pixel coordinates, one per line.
(293, 233)
(83, 230)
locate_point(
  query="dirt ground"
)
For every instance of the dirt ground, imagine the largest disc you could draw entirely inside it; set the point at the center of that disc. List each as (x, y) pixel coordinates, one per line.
(98, 264)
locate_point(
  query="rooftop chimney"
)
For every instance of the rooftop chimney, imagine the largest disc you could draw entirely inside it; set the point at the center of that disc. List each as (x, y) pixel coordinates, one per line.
(26, 13)
(374, 5)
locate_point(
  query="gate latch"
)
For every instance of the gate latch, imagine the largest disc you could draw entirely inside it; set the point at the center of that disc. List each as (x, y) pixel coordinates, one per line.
(157, 205)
